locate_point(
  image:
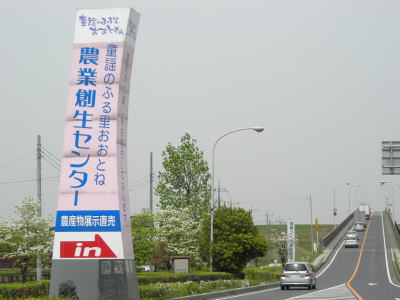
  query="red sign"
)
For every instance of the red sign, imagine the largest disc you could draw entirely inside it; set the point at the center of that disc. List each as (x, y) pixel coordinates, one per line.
(86, 249)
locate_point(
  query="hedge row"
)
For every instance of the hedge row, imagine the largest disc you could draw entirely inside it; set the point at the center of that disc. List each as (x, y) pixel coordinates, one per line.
(271, 274)
(180, 289)
(159, 285)
(166, 277)
(24, 290)
(32, 290)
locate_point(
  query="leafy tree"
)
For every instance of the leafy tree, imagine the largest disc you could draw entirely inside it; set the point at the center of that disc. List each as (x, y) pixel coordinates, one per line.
(236, 240)
(143, 237)
(279, 242)
(27, 237)
(180, 232)
(161, 258)
(185, 179)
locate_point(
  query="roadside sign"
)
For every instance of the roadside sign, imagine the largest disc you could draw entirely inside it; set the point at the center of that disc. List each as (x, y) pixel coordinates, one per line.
(316, 225)
(291, 245)
(390, 157)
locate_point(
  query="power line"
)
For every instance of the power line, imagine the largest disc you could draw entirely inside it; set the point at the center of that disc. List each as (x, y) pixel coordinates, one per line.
(139, 179)
(272, 201)
(51, 154)
(138, 187)
(57, 167)
(138, 183)
(27, 180)
(17, 160)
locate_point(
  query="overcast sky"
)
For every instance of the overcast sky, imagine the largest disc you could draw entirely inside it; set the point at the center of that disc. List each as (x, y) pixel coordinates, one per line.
(321, 76)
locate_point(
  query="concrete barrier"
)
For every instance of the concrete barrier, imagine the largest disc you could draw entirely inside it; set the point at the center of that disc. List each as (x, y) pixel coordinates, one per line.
(335, 232)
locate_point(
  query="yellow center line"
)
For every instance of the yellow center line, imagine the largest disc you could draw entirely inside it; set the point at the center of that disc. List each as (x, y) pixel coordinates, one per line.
(348, 283)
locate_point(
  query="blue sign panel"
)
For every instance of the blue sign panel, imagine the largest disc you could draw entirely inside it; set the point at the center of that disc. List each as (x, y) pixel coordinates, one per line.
(88, 221)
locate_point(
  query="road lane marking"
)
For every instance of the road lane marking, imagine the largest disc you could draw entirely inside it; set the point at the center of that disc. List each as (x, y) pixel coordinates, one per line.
(339, 292)
(372, 284)
(386, 259)
(336, 253)
(252, 293)
(348, 283)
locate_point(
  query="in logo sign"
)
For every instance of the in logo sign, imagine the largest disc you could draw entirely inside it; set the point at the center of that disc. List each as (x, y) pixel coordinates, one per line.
(86, 249)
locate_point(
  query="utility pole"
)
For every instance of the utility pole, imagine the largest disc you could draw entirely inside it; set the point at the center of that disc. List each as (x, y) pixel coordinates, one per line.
(151, 182)
(39, 198)
(266, 217)
(311, 227)
(219, 193)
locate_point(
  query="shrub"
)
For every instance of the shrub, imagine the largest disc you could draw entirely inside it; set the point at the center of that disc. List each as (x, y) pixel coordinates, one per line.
(180, 289)
(165, 277)
(24, 290)
(271, 274)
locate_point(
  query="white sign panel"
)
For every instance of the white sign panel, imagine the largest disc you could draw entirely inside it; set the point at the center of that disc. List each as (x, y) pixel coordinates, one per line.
(291, 241)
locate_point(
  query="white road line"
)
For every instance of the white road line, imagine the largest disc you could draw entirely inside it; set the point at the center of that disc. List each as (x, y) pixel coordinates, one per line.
(241, 295)
(336, 253)
(332, 287)
(386, 259)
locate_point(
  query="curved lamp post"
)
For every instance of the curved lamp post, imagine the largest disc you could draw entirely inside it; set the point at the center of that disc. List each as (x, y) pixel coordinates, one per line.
(255, 128)
(395, 184)
(353, 186)
(334, 201)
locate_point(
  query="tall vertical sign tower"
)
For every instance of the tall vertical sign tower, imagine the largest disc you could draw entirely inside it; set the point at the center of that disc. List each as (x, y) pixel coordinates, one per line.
(291, 241)
(93, 254)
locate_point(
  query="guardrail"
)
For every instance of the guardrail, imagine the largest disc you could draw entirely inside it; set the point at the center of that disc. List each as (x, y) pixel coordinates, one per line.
(8, 278)
(332, 235)
(396, 226)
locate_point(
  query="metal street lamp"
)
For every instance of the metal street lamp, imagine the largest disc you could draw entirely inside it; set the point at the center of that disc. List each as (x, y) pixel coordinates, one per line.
(334, 201)
(353, 186)
(395, 184)
(255, 128)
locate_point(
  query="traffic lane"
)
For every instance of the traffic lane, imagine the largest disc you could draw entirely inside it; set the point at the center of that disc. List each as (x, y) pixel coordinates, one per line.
(336, 271)
(391, 241)
(371, 280)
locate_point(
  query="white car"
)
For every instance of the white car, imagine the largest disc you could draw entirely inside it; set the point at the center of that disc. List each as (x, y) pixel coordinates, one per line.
(351, 242)
(352, 234)
(359, 227)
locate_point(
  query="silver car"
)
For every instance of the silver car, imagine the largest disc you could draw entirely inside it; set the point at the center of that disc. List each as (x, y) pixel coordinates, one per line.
(351, 242)
(352, 234)
(298, 274)
(359, 227)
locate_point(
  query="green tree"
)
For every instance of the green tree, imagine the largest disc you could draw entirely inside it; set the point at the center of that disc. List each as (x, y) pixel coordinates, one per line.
(236, 240)
(180, 232)
(143, 237)
(27, 237)
(185, 179)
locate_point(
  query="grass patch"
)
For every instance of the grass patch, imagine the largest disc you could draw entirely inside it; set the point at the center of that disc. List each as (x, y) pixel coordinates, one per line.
(303, 244)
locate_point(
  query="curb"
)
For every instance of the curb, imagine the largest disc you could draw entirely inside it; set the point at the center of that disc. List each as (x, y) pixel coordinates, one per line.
(229, 292)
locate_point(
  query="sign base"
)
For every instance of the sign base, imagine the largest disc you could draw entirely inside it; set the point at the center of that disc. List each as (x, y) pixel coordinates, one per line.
(97, 279)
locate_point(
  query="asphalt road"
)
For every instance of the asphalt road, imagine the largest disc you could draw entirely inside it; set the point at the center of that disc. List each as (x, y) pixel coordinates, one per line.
(370, 280)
